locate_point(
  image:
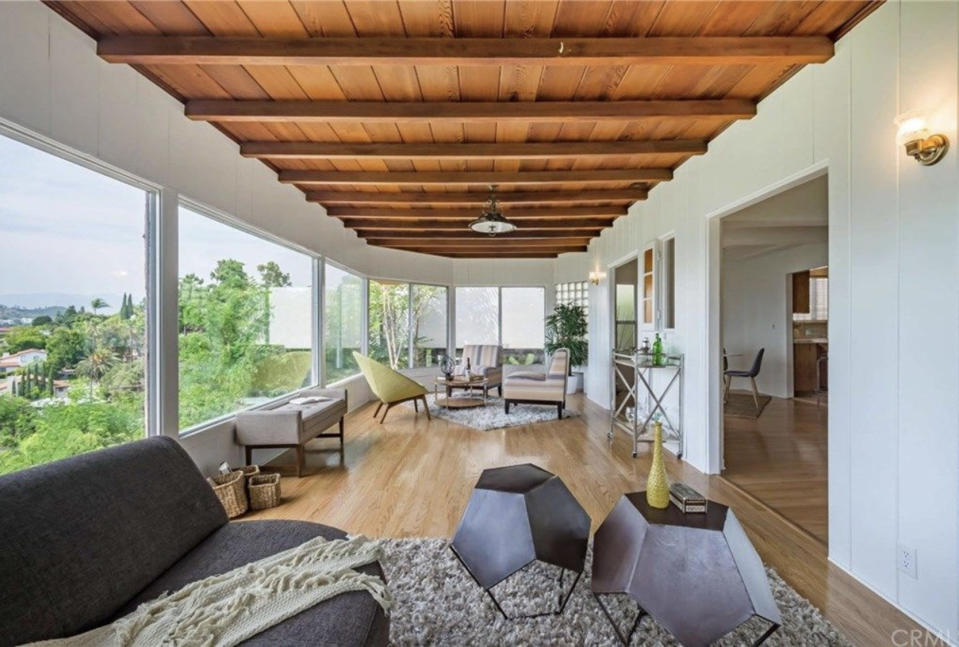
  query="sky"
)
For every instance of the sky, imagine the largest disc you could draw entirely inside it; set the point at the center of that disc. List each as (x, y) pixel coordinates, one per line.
(66, 230)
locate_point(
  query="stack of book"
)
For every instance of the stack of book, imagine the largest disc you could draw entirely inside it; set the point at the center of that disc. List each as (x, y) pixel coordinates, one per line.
(686, 498)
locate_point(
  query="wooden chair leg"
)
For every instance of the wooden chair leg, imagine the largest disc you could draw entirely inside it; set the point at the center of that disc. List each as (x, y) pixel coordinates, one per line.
(249, 455)
(388, 407)
(300, 459)
(378, 407)
(416, 405)
(729, 383)
(506, 405)
(426, 407)
(500, 389)
(342, 436)
(755, 393)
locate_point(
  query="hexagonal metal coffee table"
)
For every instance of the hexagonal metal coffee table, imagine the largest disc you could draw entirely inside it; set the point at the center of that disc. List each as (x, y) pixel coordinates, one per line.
(697, 575)
(515, 516)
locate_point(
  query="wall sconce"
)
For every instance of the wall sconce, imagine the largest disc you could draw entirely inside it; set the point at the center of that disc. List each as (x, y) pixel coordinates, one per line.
(925, 147)
(596, 277)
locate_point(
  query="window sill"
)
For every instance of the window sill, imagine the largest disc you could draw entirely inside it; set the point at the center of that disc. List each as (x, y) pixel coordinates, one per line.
(227, 417)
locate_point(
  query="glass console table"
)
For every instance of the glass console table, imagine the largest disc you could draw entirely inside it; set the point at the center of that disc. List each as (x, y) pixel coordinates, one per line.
(639, 394)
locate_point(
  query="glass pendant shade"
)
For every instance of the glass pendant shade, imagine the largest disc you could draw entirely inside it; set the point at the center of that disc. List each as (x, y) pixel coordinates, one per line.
(492, 221)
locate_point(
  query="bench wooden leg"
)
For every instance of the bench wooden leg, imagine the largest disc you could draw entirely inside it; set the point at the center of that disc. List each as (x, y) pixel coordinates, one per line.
(300, 459)
(249, 455)
(506, 406)
(559, 411)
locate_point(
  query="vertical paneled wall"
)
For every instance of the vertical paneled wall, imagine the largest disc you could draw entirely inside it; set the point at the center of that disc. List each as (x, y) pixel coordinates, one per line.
(894, 300)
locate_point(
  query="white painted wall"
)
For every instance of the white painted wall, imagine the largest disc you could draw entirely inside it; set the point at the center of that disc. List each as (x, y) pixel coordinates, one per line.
(894, 297)
(756, 313)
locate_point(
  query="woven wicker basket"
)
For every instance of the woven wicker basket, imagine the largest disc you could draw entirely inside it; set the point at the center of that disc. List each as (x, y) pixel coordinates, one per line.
(264, 491)
(231, 491)
(250, 470)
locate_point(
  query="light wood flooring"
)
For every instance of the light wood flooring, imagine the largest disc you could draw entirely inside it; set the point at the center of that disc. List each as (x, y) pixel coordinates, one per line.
(412, 478)
(780, 458)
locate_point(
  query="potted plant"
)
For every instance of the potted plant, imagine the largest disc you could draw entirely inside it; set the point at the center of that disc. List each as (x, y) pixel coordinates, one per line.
(566, 328)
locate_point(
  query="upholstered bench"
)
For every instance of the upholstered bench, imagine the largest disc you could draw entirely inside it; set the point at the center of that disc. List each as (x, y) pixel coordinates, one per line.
(289, 425)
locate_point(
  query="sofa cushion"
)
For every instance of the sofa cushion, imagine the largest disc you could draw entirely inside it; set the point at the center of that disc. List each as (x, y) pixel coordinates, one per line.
(81, 536)
(288, 423)
(349, 619)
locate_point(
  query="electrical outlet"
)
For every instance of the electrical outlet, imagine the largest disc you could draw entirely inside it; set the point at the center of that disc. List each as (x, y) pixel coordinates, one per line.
(907, 561)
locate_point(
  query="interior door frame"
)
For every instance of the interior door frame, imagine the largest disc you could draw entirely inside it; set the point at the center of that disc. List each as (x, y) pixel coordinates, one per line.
(713, 343)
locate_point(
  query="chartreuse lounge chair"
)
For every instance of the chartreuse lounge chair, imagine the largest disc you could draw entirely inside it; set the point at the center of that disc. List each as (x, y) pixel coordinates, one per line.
(389, 386)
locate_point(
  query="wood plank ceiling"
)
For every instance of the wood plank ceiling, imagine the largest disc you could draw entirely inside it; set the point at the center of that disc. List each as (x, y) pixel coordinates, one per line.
(397, 115)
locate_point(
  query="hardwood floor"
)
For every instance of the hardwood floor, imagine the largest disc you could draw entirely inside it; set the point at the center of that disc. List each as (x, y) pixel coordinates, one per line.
(412, 478)
(780, 458)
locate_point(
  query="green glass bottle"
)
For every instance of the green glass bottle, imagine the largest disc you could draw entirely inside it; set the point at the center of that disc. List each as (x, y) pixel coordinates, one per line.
(658, 351)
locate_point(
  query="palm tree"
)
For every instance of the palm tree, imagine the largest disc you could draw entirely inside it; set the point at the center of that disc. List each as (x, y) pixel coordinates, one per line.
(98, 304)
(95, 365)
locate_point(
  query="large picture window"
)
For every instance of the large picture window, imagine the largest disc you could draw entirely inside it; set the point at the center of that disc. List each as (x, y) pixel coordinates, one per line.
(519, 329)
(429, 324)
(342, 322)
(406, 317)
(72, 308)
(524, 312)
(389, 321)
(245, 319)
(477, 316)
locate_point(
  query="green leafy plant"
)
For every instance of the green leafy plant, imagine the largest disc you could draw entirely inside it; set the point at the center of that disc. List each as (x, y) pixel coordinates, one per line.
(566, 328)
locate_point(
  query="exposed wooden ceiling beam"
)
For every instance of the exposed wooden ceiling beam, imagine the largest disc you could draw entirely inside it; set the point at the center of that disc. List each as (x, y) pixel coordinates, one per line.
(494, 255)
(519, 214)
(475, 198)
(698, 50)
(478, 151)
(526, 252)
(474, 112)
(449, 178)
(533, 243)
(467, 234)
(456, 225)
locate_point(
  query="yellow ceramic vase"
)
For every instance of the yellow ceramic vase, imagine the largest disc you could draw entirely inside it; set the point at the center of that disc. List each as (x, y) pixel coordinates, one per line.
(657, 485)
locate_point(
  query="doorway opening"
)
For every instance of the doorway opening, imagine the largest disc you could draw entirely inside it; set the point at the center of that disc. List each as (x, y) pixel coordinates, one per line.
(774, 352)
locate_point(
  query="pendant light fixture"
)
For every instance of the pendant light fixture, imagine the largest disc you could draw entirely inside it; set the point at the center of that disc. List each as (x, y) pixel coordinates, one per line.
(492, 221)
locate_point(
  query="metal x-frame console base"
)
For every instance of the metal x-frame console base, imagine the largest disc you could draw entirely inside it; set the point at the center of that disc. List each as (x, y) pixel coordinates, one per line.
(632, 392)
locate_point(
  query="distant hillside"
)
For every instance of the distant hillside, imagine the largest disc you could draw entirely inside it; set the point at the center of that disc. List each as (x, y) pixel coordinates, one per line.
(18, 312)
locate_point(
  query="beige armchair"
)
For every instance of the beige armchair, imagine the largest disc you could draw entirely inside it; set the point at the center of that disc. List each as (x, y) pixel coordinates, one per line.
(485, 361)
(540, 388)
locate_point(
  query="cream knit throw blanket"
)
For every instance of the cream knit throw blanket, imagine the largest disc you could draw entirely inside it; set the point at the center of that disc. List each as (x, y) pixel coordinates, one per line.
(223, 610)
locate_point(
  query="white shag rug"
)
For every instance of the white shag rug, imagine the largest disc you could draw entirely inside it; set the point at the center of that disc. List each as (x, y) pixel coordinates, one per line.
(436, 602)
(492, 416)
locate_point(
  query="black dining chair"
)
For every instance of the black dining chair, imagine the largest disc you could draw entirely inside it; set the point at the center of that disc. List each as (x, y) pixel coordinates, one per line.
(751, 374)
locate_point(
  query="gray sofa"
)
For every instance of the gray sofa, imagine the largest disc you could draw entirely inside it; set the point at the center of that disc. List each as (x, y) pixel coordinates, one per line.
(84, 540)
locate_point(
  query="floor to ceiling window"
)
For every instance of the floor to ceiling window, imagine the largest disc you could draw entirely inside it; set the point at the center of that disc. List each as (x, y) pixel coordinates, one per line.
(72, 308)
(245, 319)
(342, 322)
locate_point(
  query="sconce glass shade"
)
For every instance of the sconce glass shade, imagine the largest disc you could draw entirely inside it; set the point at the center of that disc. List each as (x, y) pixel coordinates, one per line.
(920, 144)
(596, 277)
